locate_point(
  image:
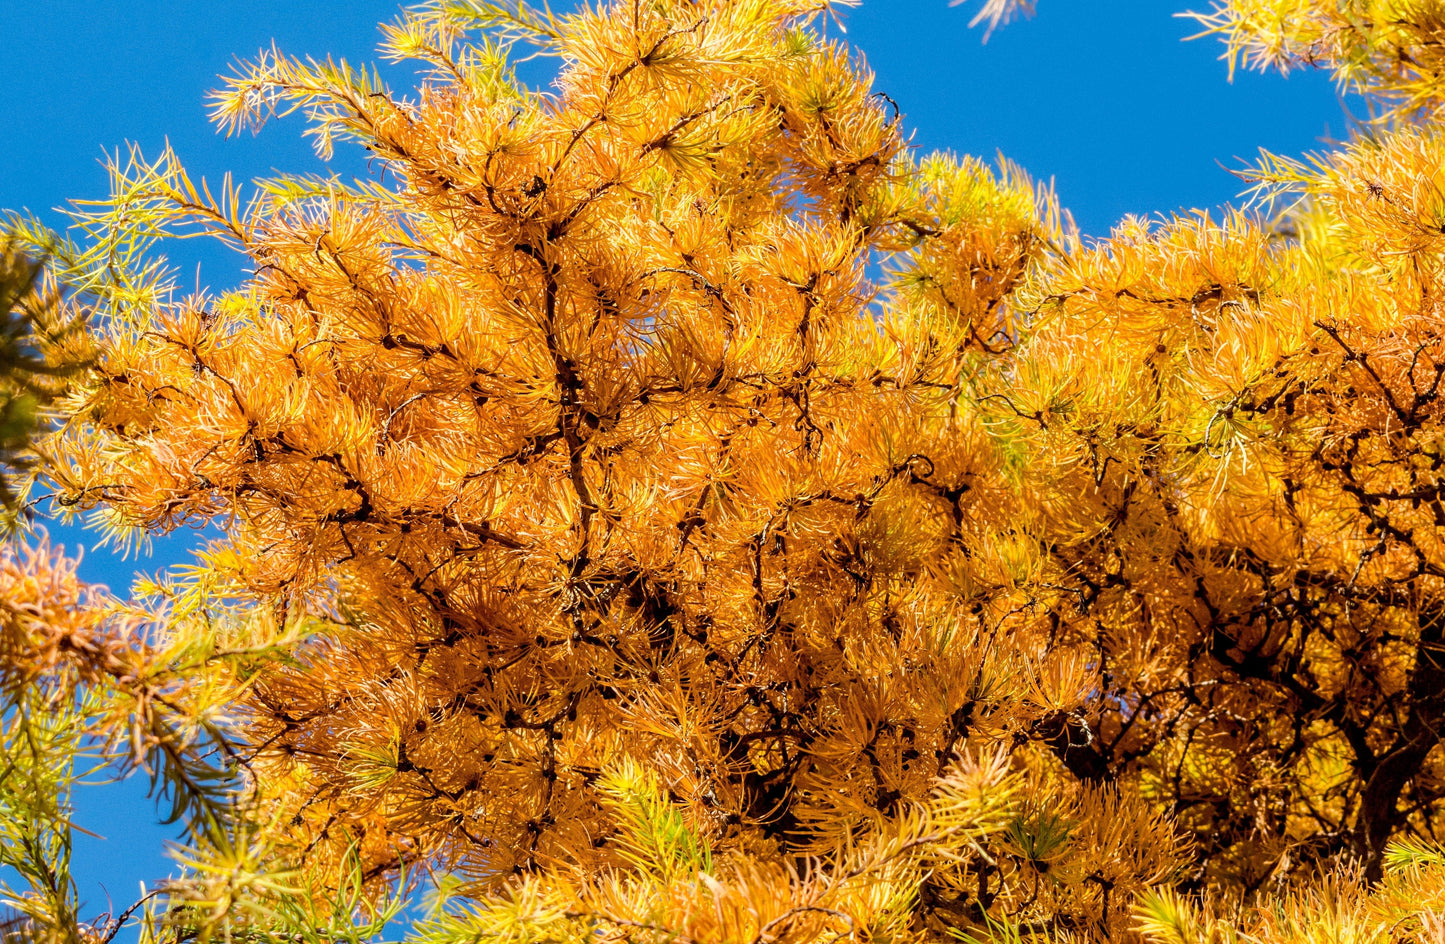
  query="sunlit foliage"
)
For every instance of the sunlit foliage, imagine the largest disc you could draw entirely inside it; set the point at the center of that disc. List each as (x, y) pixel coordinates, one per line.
(667, 508)
(95, 688)
(1388, 49)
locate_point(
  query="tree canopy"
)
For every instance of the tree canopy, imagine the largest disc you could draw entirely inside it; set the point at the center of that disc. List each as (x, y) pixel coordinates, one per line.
(666, 507)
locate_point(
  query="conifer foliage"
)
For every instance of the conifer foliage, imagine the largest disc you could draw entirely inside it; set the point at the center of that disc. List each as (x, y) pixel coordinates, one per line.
(665, 507)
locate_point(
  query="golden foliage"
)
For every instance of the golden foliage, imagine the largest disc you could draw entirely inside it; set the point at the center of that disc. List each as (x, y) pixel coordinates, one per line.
(92, 687)
(1389, 49)
(660, 484)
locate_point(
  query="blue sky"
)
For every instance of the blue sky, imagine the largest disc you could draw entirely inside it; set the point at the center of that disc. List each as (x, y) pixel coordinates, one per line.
(1102, 97)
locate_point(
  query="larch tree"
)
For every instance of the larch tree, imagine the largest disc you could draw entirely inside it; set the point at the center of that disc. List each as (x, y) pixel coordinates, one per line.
(90, 686)
(666, 508)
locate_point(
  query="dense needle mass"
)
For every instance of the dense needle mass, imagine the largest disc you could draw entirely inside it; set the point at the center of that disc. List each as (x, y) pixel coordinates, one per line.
(689, 515)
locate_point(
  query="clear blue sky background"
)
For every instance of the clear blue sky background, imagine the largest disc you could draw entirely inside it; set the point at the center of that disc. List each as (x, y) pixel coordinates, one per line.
(1100, 96)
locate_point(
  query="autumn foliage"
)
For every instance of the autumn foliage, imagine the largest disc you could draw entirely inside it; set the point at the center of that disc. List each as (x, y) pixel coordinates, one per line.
(665, 507)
